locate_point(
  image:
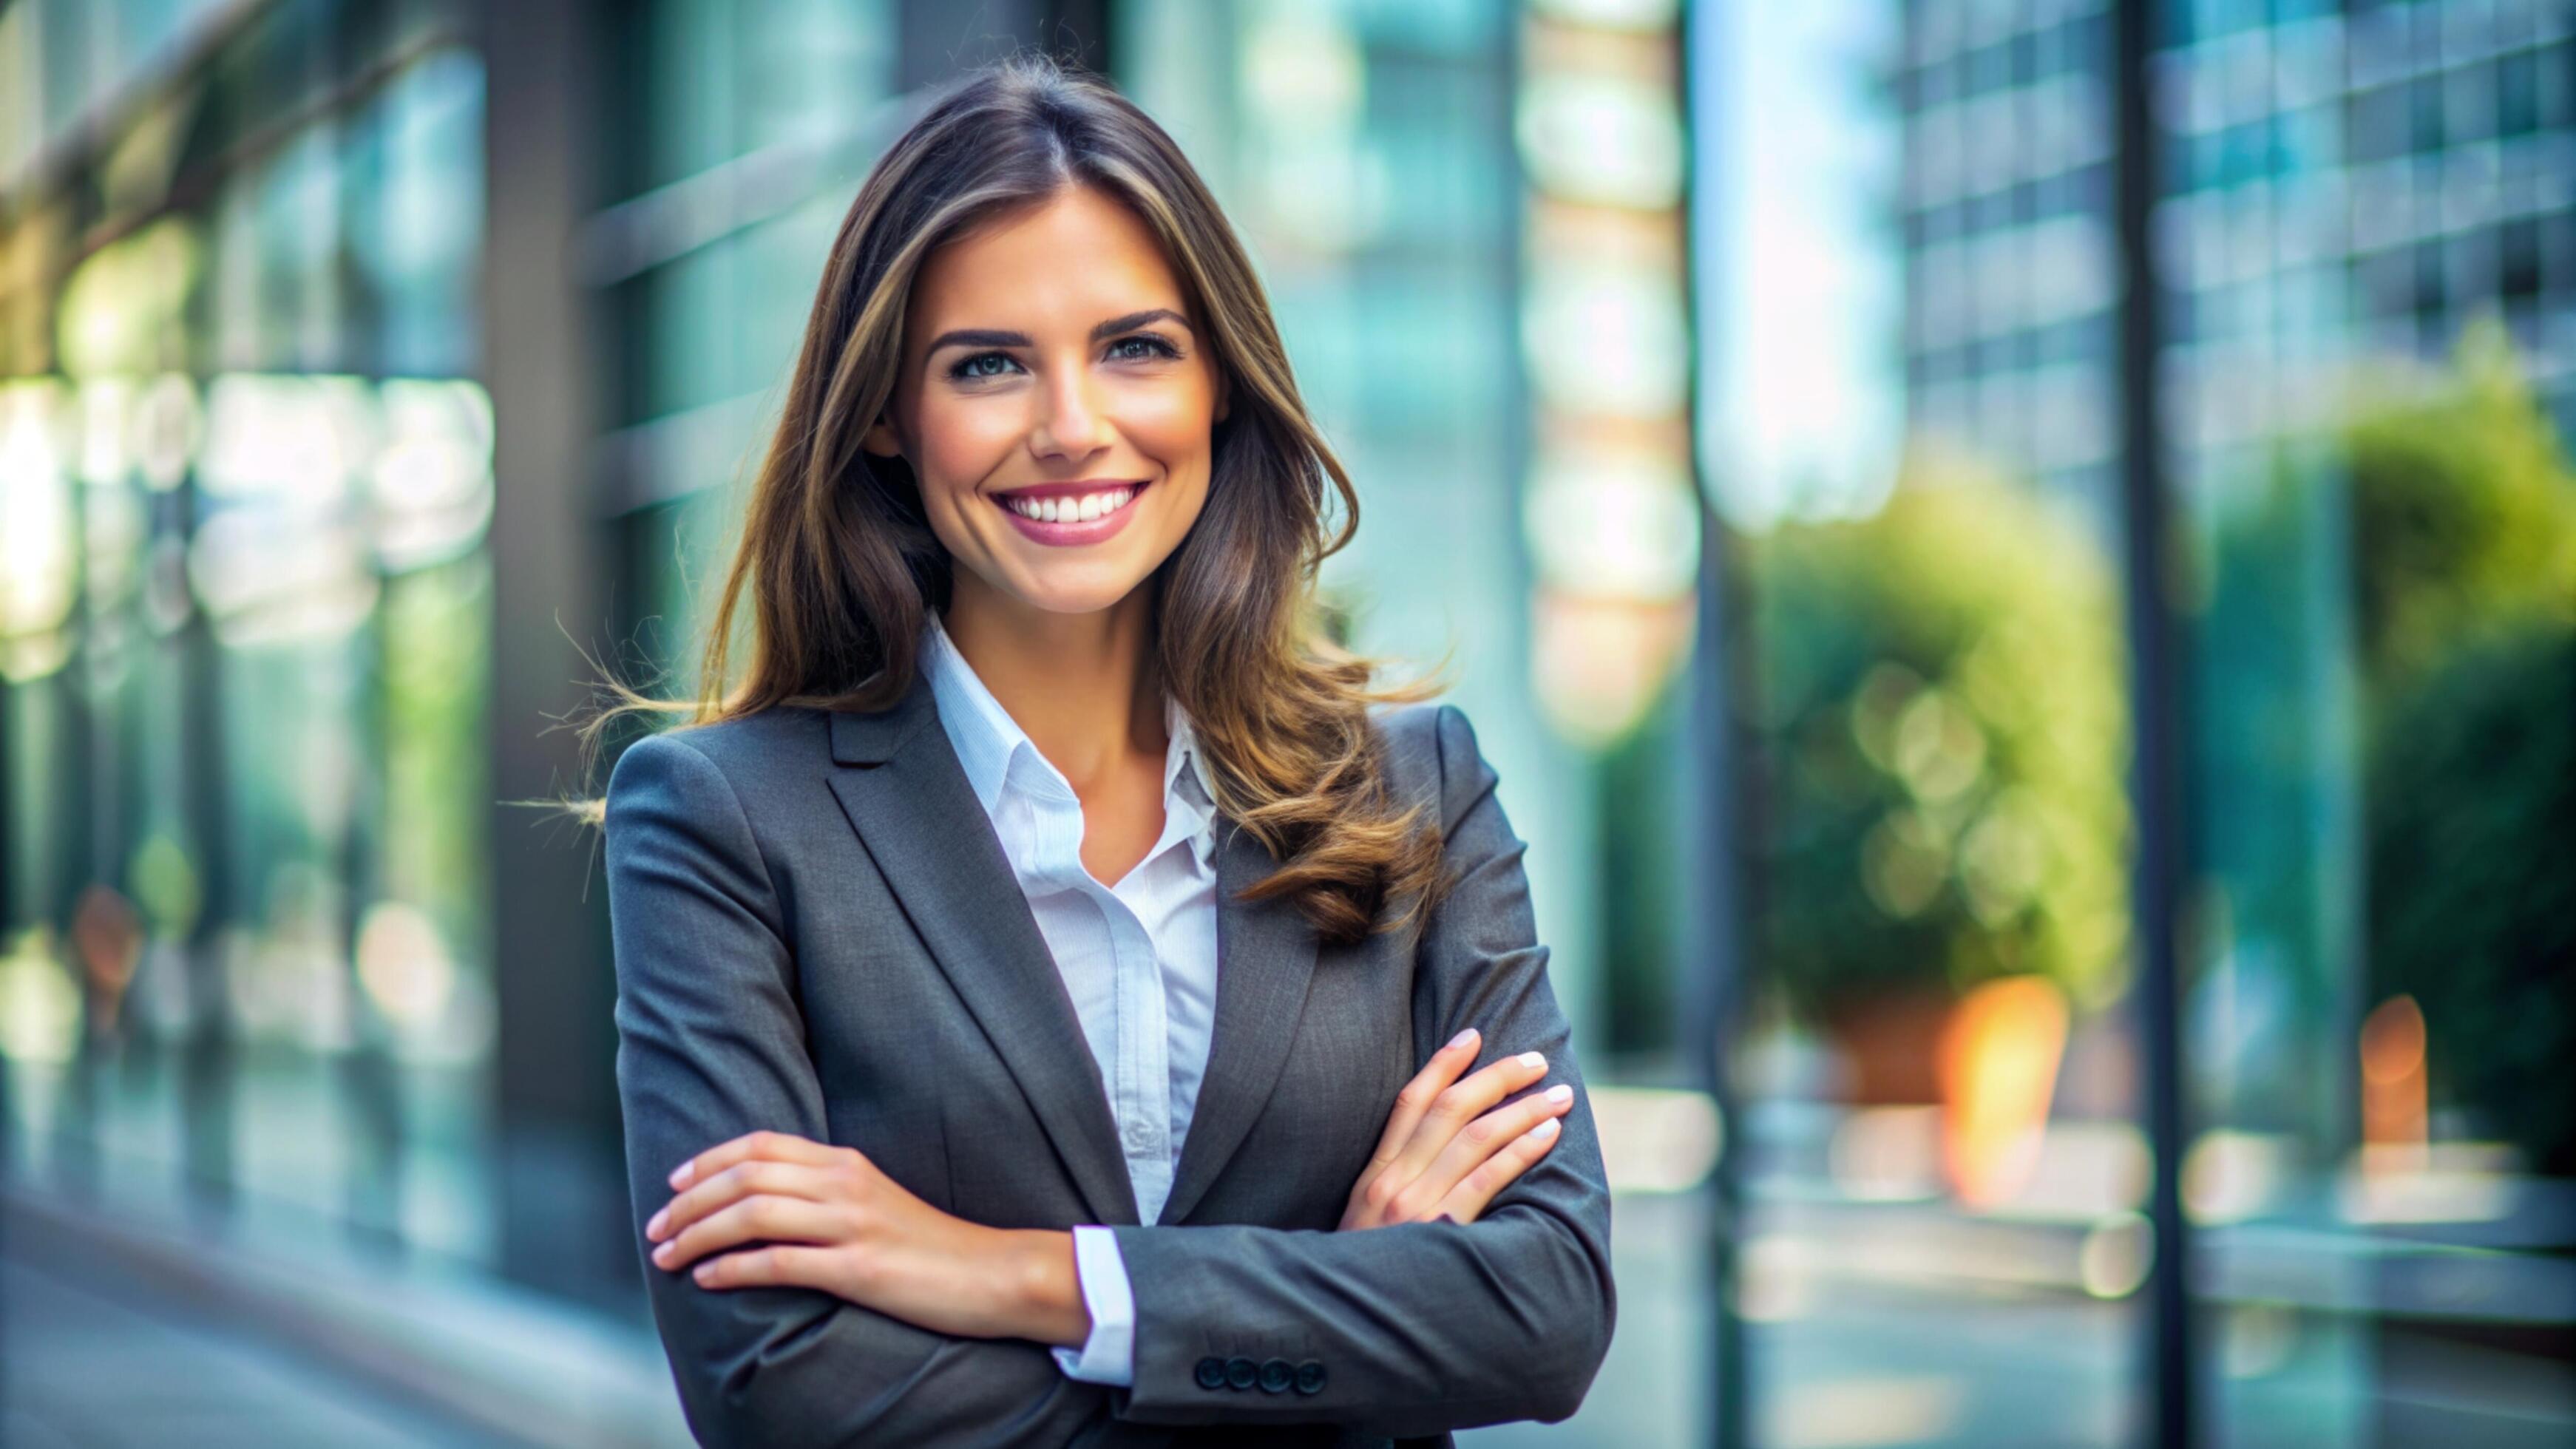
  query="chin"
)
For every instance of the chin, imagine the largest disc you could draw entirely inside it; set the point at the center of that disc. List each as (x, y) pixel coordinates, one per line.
(1071, 589)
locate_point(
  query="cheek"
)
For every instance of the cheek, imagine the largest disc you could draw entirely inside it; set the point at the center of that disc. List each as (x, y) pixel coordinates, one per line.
(1172, 424)
(963, 442)
(961, 447)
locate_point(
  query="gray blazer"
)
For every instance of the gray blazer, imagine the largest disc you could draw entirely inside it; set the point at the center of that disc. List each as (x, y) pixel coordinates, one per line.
(855, 964)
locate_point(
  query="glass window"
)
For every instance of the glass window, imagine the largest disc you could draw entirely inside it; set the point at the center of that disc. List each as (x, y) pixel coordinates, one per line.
(725, 256)
(2339, 400)
(254, 749)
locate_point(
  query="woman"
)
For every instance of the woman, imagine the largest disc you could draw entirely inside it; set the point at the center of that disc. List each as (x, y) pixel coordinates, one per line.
(1053, 979)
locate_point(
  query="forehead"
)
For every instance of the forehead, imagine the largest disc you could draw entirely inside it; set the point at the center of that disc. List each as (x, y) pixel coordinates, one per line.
(1068, 262)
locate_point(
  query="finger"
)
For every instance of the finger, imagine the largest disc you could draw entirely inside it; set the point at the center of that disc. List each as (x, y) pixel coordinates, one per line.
(754, 1219)
(1461, 1102)
(1482, 1139)
(1467, 1201)
(1374, 1196)
(775, 1146)
(1415, 1098)
(768, 1267)
(759, 1175)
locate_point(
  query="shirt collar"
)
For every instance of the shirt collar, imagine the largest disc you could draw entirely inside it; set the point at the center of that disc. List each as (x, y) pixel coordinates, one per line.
(1185, 779)
(985, 735)
(995, 751)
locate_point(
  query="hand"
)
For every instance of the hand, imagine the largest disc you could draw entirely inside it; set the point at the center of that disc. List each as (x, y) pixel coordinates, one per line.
(1433, 1162)
(828, 1218)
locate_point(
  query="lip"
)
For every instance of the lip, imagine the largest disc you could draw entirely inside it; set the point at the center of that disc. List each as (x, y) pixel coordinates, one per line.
(1069, 535)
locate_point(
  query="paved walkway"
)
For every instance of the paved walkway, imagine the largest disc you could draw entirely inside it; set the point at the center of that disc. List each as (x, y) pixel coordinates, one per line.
(89, 1359)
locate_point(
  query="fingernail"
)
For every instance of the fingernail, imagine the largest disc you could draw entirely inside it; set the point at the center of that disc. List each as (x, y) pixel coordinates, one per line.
(680, 1174)
(701, 1271)
(1462, 1038)
(1544, 1130)
(1561, 1092)
(662, 1254)
(653, 1229)
(1533, 1059)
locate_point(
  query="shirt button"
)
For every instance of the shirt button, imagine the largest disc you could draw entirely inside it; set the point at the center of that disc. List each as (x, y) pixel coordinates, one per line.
(1137, 1135)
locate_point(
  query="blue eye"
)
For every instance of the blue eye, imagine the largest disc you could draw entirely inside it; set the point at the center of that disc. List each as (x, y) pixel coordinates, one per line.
(964, 370)
(970, 368)
(1158, 346)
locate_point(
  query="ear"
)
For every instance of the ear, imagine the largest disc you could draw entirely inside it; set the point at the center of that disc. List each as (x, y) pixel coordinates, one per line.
(880, 439)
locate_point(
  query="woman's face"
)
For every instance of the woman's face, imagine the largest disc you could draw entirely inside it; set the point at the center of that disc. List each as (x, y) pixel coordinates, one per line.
(1055, 404)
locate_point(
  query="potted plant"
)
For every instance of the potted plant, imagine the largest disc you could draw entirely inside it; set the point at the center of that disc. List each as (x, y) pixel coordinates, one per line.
(1940, 744)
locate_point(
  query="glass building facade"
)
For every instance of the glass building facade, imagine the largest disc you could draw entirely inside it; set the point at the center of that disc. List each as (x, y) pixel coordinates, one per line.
(2112, 618)
(248, 606)
(2016, 558)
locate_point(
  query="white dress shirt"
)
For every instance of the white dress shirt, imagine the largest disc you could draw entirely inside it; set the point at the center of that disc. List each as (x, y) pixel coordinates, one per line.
(1138, 957)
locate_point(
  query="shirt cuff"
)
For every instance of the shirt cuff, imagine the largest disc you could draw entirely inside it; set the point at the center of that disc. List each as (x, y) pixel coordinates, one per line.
(1109, 1355)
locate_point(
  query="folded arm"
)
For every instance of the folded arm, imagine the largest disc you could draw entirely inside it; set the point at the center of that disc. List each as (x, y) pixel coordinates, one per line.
(1416, 1327)
(711, 1045)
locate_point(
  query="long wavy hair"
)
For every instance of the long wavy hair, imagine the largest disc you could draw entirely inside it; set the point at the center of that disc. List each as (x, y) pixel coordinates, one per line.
(838, 561)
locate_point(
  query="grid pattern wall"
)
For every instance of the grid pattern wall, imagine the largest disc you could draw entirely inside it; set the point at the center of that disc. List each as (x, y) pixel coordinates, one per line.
(2367, 181)
(2006, 213)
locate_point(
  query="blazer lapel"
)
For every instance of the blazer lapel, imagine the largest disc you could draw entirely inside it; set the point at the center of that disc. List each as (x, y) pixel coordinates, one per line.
(908, 797)
(1265, 959)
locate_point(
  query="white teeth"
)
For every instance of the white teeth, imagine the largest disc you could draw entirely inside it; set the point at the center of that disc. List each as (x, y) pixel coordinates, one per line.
(1067, 510)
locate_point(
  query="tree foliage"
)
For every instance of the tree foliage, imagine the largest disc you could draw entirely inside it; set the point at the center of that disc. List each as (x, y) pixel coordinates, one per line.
(1941, 741)
(2464, 546)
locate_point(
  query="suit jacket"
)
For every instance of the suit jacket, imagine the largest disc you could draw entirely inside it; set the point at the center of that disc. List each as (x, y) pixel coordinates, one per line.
(816, 932)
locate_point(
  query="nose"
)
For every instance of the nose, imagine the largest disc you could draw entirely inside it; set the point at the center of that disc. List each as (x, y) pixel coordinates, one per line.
(1070, 424)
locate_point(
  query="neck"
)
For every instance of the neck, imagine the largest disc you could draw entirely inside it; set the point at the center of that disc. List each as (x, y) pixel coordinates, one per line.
(1085, 687)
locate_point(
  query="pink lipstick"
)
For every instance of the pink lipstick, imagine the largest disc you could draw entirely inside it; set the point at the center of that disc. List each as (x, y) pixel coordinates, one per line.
(1064, 515)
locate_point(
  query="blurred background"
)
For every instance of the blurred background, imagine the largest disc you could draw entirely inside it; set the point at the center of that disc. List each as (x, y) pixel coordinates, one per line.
(2016, 558)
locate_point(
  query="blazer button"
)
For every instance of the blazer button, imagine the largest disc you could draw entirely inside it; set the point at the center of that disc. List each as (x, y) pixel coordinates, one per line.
(1241, 1373)
(1310, 1377)
(1211, 1373)
(1276, 1375)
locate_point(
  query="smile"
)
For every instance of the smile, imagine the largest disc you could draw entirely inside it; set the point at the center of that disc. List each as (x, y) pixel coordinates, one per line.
(1064, 514)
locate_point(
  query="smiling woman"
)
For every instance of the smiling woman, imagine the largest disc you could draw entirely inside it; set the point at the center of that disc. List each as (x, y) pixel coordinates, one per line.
(1084, 427)
(1146, 1025)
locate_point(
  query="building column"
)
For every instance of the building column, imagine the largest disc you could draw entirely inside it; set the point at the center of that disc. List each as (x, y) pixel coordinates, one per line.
(557, 1145)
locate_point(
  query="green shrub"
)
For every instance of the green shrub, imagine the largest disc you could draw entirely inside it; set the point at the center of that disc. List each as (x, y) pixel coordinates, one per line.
(1941, 745)
(2472, 909)
(2464, 549)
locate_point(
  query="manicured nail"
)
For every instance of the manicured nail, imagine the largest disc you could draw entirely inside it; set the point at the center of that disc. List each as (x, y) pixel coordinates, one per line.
(1543, 1131)
(1462, 1038)
(1561, 1092)
(653, 1229)
(680, 1174)
(1533, 1059)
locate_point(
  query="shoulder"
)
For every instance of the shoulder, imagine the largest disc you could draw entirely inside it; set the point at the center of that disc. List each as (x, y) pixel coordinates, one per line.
(1431, 753)
(740, 753)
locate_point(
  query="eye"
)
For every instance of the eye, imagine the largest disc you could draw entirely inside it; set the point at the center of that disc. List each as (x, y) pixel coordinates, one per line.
(968, 369)
(1155, 345)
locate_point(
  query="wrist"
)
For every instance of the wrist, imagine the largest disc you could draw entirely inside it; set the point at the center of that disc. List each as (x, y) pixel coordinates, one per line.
(1044, 1292)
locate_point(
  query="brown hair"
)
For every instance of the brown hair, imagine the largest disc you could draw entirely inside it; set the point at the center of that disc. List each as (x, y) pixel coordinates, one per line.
(839, 561)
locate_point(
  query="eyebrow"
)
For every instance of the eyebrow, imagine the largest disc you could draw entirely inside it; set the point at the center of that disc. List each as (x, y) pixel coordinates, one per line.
(987, 337)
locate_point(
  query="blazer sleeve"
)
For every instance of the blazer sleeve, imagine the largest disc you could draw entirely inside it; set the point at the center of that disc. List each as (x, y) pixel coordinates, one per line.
(1419, 1327)
(711, 1045)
